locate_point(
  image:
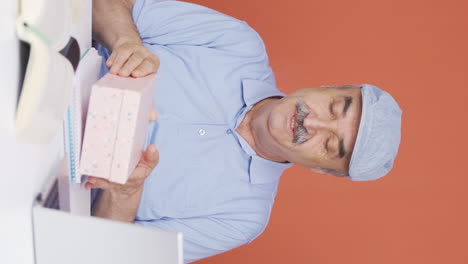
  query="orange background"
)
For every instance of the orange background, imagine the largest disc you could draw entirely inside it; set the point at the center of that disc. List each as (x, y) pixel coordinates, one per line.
(418, 51)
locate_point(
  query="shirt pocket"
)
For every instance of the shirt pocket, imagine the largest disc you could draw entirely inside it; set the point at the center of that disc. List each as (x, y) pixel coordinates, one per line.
(204, 180)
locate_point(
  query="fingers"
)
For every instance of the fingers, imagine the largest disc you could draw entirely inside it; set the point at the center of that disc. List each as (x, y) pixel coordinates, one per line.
(147, 66)
(94, 182)
(152, 155)
(132, 59)
(120, 58)
(136, 64)
(148, 162)
(111, 59)
(150, 158)
(132, 63)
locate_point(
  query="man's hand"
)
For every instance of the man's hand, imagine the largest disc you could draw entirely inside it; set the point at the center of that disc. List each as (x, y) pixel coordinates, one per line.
(131, 58)
(113, 26)
(120, 201)
(147, 163)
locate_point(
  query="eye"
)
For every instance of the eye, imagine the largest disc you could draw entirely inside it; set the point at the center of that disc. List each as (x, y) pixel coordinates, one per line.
(331, 107)
(326, 144)
(331, 145)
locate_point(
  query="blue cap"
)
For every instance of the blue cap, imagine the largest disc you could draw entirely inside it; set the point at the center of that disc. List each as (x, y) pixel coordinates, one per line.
(378, 136)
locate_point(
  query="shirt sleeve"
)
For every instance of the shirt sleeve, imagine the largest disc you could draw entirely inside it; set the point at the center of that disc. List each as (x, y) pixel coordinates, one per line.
(180, 23)
(208, 236)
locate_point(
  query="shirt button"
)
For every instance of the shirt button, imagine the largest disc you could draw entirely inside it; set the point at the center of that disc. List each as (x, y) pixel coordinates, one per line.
(229, 131)
(201, 132)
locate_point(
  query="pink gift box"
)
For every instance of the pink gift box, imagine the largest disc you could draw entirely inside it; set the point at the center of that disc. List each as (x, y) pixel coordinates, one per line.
(116, 126)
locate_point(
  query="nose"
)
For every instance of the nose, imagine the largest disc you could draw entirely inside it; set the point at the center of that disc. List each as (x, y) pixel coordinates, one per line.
(314, 124)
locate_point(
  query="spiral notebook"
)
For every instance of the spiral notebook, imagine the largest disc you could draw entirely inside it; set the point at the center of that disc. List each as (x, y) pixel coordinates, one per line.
(86, 75)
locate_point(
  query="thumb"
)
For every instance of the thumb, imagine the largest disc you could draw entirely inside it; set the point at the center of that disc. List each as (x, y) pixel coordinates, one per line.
(148, 162)
(151, 157)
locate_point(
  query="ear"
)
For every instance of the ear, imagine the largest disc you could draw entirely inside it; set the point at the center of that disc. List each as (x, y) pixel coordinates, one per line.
(318, 170)
(329, 172)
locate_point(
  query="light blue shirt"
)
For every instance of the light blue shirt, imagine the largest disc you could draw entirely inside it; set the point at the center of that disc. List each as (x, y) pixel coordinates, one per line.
(209, 183)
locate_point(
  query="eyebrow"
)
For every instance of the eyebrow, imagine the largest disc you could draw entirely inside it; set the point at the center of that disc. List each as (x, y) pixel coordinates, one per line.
(348, 102)
(342, 151)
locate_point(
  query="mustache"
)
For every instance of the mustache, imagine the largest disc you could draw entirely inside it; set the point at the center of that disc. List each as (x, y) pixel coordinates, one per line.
(300, 132)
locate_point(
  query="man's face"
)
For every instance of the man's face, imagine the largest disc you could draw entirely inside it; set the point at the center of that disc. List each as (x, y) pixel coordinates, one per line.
(316, 127)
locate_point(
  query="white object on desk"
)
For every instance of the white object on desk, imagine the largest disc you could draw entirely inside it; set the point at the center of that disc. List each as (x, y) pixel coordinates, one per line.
(86, 75)
(64, 238)
(44, 16)
(48, 78)
(73, 197)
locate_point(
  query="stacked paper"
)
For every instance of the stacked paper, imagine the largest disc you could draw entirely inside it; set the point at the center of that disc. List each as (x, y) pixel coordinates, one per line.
(86, 75)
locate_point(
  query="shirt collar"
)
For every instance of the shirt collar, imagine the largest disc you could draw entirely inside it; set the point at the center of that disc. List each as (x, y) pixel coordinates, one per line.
(261, 170)
(253, 91)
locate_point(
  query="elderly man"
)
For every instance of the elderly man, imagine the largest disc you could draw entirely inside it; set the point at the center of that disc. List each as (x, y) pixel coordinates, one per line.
(224, 132)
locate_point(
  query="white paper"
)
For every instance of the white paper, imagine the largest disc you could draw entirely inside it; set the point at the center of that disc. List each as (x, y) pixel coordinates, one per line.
(86, 75)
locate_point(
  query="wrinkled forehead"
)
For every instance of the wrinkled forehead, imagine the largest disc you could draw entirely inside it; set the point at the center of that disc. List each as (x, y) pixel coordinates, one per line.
(345, 89)
(357, 121)
(354, 90)
(347, 86)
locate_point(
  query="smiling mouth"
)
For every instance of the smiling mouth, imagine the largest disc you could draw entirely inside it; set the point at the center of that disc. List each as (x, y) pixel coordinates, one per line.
(293, 123)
